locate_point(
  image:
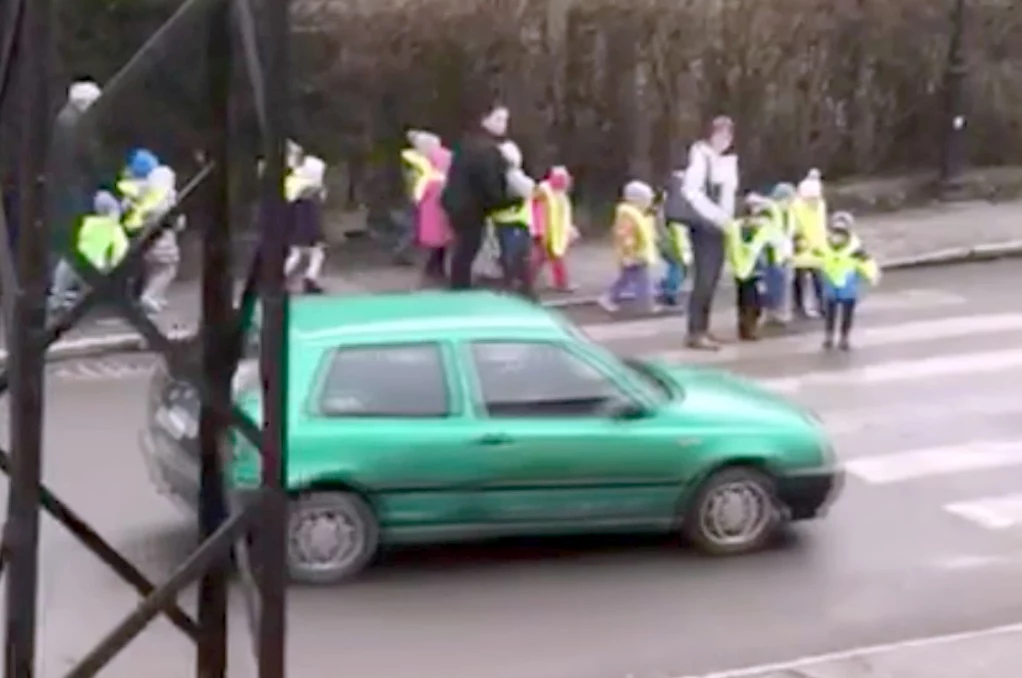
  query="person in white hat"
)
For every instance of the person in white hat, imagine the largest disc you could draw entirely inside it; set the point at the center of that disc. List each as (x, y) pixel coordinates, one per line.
(69, 186)
(809, 213)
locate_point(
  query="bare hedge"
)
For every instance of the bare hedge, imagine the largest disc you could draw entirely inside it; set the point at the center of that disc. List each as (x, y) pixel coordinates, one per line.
(608, 87)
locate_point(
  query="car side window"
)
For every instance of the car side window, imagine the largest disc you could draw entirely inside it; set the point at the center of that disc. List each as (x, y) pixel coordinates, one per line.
(402, 381)
(540, 380)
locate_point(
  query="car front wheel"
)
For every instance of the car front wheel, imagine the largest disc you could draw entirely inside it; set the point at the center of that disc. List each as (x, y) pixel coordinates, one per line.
(734, 512)
(331, 536)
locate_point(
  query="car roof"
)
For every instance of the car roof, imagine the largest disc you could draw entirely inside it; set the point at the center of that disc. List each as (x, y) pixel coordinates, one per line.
(421, 316)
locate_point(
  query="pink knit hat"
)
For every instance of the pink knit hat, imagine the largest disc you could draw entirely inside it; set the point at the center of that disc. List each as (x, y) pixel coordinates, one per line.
(559, 178)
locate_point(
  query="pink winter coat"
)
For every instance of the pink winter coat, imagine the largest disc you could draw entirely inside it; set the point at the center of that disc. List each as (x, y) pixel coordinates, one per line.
(433, 229)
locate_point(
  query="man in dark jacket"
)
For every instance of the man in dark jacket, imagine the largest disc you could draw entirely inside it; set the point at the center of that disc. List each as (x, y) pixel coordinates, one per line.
(69, 186)
(476, 186)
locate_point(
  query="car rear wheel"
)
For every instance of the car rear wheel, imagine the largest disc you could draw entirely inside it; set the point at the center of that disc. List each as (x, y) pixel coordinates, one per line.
(734, 512)
(331, 536)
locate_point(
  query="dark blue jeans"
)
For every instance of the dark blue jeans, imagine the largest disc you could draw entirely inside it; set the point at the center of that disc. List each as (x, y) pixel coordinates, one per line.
(707, 262)
(515, 243)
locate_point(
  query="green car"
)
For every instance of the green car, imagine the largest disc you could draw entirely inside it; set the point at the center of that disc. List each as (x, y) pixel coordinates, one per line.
(437, 417)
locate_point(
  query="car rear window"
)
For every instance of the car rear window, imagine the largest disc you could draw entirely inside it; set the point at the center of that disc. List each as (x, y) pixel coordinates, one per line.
(406, 380)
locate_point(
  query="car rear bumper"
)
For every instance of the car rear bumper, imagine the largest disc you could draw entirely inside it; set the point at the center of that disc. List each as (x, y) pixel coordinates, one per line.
(175, 473)
(809, 495)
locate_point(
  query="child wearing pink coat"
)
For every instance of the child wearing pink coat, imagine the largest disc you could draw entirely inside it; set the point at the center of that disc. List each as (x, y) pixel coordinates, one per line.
(432, 229)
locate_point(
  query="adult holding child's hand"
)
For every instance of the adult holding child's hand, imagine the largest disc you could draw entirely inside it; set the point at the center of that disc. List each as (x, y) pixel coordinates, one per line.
(703, 198)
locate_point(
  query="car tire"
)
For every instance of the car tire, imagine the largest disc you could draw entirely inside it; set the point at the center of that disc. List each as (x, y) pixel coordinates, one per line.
(331, 537)
(734, 512)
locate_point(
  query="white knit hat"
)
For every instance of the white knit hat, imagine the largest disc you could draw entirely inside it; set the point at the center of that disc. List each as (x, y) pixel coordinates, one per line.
(638, 192)
(810, 187)
(84, 93)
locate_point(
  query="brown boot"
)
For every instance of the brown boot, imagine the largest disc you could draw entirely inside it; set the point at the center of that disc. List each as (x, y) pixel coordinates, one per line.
(748, 324)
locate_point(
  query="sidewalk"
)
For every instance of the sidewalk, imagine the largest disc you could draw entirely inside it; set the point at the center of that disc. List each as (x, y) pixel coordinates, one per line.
(934, 235)
(987, 653)
(949, 232)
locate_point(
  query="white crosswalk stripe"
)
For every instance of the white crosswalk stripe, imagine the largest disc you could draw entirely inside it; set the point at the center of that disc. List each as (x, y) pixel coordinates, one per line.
(103, 369)
(927, 408)
(903, 370)
(877, 303)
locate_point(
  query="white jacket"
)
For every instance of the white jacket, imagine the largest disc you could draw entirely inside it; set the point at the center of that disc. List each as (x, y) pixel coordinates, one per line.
(707, 168)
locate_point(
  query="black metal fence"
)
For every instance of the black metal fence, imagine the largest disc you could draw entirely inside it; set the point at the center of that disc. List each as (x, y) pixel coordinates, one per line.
(235, 110)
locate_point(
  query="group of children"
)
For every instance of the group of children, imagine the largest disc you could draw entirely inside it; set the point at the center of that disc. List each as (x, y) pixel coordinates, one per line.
(531, 235)
(144, 192)
(779, 248)
(785, 254)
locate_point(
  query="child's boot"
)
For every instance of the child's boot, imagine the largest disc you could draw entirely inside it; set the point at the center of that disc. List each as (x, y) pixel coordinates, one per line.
(747, 324)
(847, 319)
(829, 320)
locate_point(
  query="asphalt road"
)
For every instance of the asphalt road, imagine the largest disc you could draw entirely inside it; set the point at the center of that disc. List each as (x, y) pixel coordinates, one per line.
(927, 538)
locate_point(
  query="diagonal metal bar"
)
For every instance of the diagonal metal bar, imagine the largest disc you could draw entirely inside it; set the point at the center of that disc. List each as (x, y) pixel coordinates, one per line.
(77, 526)
(201, 559)
(253, 64)
(185, 13)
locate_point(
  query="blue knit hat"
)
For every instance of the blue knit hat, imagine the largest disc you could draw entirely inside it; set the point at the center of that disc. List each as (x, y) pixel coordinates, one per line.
(141, 162)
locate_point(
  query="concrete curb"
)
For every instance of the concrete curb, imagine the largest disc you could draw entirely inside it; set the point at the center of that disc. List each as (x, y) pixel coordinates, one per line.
(91, 347)
(131, 342)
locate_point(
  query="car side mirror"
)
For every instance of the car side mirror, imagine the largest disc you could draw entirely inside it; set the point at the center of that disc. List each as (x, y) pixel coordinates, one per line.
(625, 410)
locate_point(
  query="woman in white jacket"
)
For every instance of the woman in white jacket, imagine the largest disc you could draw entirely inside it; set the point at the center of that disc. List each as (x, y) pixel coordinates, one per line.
(705, 204)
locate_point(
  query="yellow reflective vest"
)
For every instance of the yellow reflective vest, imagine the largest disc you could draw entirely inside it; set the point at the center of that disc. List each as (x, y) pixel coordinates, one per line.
(419, 173)
(810, 222)
(634, 236)
(678, 245)
(838, 262)
(101, 241)
(294, 185)
(557, 212)
(518, 215)
(143, 207)
(745, 240)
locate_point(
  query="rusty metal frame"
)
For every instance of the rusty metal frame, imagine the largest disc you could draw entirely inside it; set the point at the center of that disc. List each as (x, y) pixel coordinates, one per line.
(27, 46)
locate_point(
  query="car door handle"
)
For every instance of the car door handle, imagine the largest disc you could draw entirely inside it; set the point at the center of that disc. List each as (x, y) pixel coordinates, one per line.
(494, 439)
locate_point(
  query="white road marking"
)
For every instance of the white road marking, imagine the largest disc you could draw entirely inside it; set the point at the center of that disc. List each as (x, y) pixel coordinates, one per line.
(852, 421)
(810, 662)
(954, 327)
(992, 513)
(911, 465)
(983, 362)
(881, 301)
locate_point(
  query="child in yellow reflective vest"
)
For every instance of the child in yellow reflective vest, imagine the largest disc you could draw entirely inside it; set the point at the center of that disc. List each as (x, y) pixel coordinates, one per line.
(845, 267)
(513, 225)
(746, 241)
(635, 243)
(99, 242)
(809, 213)
(553, 227)
(676, 251)
(778, 275)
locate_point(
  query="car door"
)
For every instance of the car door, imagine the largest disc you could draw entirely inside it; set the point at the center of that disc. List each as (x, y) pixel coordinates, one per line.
(392, 419)
(557, 459)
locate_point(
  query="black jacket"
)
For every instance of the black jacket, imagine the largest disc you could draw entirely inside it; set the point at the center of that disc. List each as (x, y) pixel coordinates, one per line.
(476, 181)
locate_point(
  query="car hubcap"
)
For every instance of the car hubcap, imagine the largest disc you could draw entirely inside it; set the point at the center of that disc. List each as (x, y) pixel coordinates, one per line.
(736, 514)
(324, 539)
